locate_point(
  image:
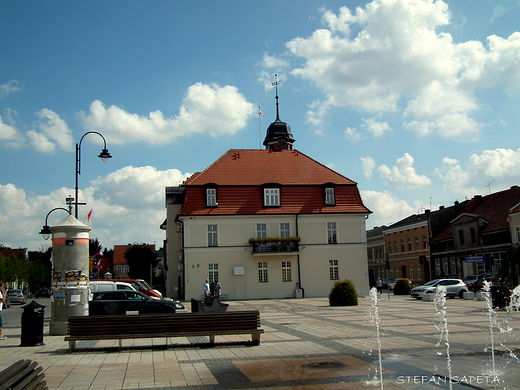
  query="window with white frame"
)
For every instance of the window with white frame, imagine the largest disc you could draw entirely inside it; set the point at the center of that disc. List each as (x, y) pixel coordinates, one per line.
(119, 269)
(211, 197)
(391, 273)
(271, 197)
(262, 271)
(411, 273)
(517, 233)
(329, 196)
(212, 235)
(331, 232)
(418, 272)
(213, 272)
(453, 266)
(333, 269)
(261, 230)
(285, 230)
(286, 271)
(416, 243)
(126, 269)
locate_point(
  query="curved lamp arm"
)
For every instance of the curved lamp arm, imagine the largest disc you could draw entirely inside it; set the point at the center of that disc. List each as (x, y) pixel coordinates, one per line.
(46, 231)
(104, 155)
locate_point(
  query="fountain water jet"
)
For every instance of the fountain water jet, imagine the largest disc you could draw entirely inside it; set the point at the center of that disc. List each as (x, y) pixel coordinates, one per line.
(492, 322)
(439, 300)
(375, 319)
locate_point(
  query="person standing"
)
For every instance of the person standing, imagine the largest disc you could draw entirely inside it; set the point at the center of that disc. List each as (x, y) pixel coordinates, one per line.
(379, 285)
(206, 287)
(2, 299)
(217, 289)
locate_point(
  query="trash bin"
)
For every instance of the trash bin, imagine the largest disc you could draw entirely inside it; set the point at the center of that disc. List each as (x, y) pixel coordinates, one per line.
(32, 324)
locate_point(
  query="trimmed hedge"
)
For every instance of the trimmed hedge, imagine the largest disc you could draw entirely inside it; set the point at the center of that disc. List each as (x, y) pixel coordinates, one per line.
(343, 293)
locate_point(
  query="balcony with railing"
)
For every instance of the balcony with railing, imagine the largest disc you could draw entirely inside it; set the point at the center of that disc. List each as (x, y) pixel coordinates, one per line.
(275, 245)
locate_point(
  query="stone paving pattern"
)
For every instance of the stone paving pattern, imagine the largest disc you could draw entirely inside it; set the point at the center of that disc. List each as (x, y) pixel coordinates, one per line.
(306, 345)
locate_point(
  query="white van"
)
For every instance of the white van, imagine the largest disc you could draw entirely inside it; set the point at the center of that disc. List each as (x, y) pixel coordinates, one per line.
(108, 285)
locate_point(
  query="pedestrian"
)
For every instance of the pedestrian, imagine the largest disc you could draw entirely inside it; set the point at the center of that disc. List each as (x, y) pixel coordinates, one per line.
(217, 288)
(2, 299)
(379, 285)
(212, 289)
(206, 287)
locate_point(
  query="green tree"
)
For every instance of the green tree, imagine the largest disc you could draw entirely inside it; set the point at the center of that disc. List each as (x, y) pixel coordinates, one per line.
(510, 266)
(94, 247)
(141, 259)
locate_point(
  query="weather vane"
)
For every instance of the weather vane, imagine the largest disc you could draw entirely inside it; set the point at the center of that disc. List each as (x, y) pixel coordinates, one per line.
(275, 84)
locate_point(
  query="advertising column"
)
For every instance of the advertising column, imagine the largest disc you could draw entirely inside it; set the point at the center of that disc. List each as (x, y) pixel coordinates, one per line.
(70, 268)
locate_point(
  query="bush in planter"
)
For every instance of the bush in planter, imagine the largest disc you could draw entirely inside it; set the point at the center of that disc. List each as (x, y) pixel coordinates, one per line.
(343, 293)
(402, 287)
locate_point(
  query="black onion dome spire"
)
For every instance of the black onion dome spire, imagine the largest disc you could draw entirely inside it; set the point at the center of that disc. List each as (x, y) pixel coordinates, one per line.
(278, 136)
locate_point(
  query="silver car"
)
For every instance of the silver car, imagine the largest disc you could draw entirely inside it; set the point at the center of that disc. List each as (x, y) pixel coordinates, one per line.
(16, 296)
(454, 288)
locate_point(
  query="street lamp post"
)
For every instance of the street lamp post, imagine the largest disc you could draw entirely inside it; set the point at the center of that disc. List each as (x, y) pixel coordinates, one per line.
(104, 155)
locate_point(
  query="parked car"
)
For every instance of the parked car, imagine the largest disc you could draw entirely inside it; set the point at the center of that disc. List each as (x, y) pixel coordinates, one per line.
(140, 285)
(391, 285)
(43, 292)
(123, 301)
(16, 296)
(454, 288)
(469, 280)
(479, 283)
(386, 282)
(109, 285)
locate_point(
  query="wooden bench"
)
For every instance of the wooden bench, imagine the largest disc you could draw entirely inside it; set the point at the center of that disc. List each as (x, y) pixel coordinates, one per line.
(23, 375)
(120, 327)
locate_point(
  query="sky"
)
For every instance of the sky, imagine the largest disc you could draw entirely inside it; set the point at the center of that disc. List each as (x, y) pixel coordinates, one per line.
(415, 100)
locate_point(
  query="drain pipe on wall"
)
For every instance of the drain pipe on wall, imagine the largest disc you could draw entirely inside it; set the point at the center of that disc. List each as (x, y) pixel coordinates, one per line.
(298, 261)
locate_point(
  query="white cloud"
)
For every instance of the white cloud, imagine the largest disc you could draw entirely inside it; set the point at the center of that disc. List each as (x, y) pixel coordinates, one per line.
(272, 62)
(374, 127)
(9, 88)
(128, 206)
(496, 163)
(8, 134)
(353, 134)
(209, 109)
(368, 166)
(497, 167)
(386, 208)
(403, 174)
(390, 53)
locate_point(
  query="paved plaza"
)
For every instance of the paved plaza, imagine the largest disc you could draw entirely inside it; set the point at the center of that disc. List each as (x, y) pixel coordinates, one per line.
(306, 345)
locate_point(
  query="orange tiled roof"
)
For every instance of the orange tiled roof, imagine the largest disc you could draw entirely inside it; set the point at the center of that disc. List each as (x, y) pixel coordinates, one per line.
(240, 174)
(242, 167)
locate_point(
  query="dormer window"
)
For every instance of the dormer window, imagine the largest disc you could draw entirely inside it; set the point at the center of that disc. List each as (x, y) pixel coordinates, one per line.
(329, 197)
(211, 197)
(271, 197)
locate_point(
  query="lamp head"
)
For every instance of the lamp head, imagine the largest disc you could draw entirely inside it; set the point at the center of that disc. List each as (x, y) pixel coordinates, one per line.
(104, 155)
(46, 232)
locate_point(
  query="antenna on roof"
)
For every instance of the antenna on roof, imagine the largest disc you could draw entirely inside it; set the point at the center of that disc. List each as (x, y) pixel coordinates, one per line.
(275, 84)
(489, 185)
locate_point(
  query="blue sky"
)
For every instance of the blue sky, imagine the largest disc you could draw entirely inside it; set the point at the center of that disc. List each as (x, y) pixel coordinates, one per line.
(417, 101)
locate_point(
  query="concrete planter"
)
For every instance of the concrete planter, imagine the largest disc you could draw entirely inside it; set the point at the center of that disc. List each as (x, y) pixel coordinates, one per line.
(428, 297)
(469, 295)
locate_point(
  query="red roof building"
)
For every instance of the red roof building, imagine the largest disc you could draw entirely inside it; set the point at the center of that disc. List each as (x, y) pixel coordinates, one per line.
(270, 223)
